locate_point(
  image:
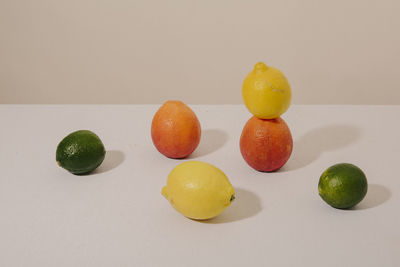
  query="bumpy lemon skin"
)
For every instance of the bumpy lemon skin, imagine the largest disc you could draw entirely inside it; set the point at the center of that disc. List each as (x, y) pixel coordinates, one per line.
(266, 92)
(198, 190)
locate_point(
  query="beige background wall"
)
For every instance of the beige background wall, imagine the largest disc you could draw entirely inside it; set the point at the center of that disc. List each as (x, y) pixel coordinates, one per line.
(127, 51)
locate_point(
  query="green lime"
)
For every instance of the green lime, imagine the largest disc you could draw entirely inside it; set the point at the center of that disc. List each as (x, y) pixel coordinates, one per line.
(80, 152)
(343, 185)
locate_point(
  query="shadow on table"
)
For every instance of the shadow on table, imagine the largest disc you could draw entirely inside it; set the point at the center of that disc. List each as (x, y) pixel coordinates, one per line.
(311, 145)
(211, 140)
(113, 159)
(245, 205)
(376, 195)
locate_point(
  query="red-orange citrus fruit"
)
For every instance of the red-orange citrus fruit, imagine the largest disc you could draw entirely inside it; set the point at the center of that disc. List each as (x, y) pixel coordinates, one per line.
(175, 130)
(266, 145)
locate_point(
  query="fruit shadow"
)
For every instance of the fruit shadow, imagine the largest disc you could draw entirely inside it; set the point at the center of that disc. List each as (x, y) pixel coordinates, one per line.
(113, 159)
(211, 140)
(245, 205)
(376, 195)
(311, 145)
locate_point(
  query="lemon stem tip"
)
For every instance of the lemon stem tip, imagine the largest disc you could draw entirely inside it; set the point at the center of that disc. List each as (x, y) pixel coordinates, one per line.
(260, 66)
(164, 192)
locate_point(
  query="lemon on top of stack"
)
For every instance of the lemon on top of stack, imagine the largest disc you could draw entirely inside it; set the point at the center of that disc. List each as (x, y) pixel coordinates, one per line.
(266, 92)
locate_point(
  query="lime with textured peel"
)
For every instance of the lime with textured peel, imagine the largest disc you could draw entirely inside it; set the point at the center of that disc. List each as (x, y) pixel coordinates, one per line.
(343, 185)
(80, 152)
(198, 190)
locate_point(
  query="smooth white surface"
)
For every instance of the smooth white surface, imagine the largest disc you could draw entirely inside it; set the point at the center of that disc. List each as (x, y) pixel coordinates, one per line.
(117, 216)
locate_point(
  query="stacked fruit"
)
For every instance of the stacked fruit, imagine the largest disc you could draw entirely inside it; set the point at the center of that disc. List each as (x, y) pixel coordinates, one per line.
(266, 142)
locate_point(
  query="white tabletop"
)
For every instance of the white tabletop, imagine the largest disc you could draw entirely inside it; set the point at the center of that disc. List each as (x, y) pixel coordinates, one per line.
(117, 216)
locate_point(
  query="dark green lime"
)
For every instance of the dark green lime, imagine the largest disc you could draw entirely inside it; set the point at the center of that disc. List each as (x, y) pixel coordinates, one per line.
(343, 185)
(80, 152)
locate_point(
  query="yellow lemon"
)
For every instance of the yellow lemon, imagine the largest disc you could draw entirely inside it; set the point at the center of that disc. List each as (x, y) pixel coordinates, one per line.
(198, 190)
(266, 92)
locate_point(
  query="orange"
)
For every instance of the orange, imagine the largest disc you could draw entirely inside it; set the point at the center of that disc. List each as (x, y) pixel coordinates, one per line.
(175, 130)
(266, 145)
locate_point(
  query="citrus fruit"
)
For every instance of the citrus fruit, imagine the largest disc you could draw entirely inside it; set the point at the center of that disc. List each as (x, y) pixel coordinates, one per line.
(175, 130)
(80, 152)
(343, 185)
(266, 145)
(198, 190)
(266, 92)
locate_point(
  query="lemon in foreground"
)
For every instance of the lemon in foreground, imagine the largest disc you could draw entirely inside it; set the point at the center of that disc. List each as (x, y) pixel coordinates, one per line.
(198, 190)
(343, 185)
(80, 152)
(266, 92)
